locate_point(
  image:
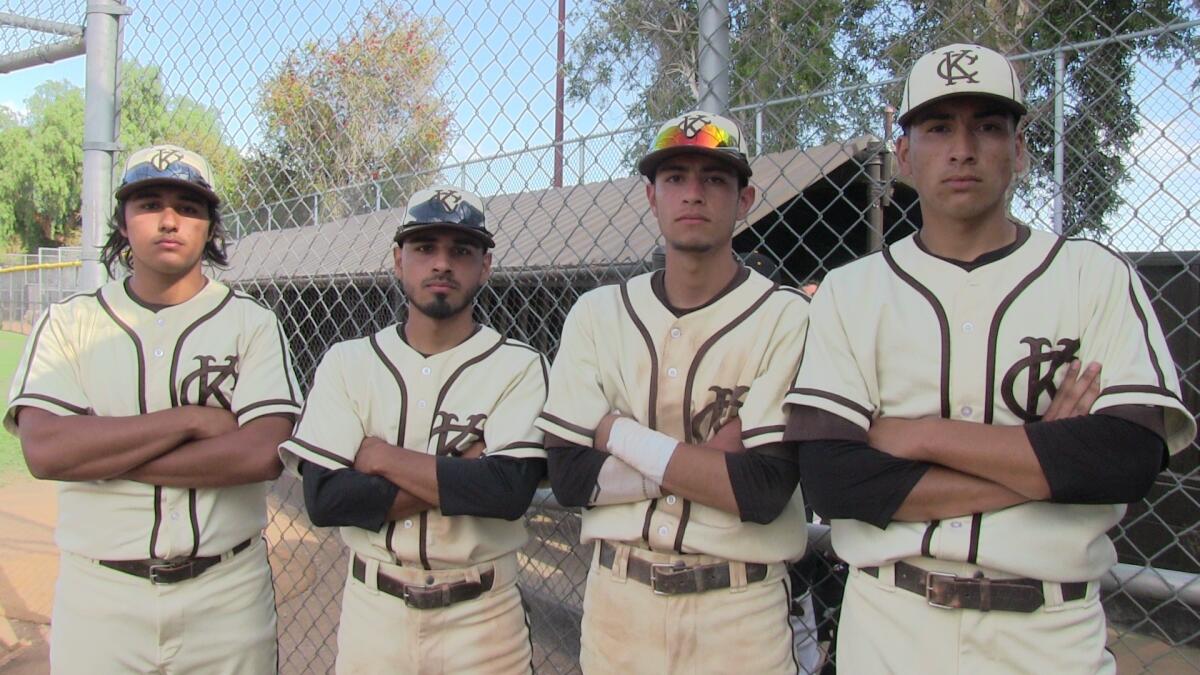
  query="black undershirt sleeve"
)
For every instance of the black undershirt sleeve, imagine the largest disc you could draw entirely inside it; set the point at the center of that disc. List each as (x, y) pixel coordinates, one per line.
(574, 470)
(843, 476)
(488, 487)
(763, 481)
(345, 497)
(1097, 459)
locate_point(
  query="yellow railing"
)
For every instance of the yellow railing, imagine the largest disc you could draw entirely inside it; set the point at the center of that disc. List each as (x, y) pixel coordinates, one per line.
(39, 266)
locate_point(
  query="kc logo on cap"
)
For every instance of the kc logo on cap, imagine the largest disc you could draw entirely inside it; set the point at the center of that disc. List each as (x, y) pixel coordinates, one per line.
(952, 70)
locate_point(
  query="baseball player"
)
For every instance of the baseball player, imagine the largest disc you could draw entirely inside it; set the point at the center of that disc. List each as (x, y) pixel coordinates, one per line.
(690, 500)
(946, 423)
(158, 402)
(419, 442)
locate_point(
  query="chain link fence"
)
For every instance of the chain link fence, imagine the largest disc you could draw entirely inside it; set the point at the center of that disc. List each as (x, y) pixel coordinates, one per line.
(320, 119)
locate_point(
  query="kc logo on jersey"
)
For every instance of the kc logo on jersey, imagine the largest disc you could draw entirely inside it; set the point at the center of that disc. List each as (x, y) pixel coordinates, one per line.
(953, 67)
(210, 380)
(463, 434)
(1042, 354)
(725, 404)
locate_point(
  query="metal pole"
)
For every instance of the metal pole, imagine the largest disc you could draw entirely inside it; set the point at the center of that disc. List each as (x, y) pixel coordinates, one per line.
(874, 167)
(37, 56)
(560, 66)
(1060, 76)
(99, 127)
(759, 121)
(714, 56)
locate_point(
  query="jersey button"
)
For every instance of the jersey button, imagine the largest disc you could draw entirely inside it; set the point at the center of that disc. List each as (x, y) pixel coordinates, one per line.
(968, 327)
(672, 372)
(426, 370)
(174, 515)
(421, 403)
(675, 333)
(671, 499)
(664, 530)
(158, 352)
(408, 524)
(161, 322)
(966, 411)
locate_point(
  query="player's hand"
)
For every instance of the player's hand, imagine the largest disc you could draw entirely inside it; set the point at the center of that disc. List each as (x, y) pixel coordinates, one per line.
(897, 436)
(371, 454)
(600, 440)
(1077, 393)
(208, 422)
(474, 450)
(729, 437)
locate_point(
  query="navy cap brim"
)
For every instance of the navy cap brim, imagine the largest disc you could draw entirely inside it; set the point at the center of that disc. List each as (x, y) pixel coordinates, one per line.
(1018, 109)
(124, 191)
(483, 236)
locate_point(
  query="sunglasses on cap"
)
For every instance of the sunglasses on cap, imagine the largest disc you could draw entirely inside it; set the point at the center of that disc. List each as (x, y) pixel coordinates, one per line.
(434, 211)
(181, 171)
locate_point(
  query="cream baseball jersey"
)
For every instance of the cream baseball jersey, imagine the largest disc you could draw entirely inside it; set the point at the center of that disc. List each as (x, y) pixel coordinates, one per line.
(685, 376)
(106, 354)
(488, 388)
(902, 333)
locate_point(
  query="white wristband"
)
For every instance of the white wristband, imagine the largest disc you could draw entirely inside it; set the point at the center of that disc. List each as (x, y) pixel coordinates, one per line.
(646, 450)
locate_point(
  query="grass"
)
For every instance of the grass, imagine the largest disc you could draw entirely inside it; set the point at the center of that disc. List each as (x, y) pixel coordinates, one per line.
(11, 461)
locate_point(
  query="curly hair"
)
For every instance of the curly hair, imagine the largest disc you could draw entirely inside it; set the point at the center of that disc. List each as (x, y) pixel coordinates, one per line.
(116, 248)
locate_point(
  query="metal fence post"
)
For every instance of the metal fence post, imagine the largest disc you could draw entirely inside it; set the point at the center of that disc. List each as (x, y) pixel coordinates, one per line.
(714, 56)
(99, 131)
(1060, 76)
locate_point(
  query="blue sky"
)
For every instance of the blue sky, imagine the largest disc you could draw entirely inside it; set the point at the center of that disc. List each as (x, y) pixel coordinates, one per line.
(500, 83)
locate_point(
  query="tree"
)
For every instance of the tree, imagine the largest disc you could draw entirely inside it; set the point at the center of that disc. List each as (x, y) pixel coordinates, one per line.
(354, 112)
(787, 48)
(40, 188)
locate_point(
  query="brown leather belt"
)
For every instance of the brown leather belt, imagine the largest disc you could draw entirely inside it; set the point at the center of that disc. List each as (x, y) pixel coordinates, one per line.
(948, 591)
(172, 570)
(433, 596)
(678, 578)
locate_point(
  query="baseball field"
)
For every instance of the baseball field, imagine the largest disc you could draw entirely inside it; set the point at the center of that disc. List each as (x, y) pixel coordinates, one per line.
(10, 450)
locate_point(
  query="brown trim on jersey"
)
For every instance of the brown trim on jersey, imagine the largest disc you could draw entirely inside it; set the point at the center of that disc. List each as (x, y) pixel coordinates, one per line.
(703, 350)
(652, 412)
(175, 395)
(195, 518)
(983, 259)
(322, 452)
(927, 540)
(989, 387)
(762, 431)
(289, 367)
(141, 355)
(520, 445)
(683, 523)
(650, 508)
(421, 546)
(840, 400)
(541, 359)
(943, 325)
(37, 335)
(263, 404)
(387, 538)
(157, 520)
(62, 404)
(1139, 389)
(437, 407)
(1141, 315)
(554, 419)
(976, 527)
(387, 363)
(658, 286)
(796, 291)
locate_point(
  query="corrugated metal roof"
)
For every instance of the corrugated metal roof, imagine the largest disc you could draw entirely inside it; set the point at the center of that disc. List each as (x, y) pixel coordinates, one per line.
(606, 222)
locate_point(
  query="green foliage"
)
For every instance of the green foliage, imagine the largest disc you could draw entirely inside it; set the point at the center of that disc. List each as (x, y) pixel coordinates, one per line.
(356, 110)
(40, 188)
(643, 54)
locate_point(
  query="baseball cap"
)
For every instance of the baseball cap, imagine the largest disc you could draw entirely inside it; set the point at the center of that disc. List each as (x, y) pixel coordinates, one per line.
(697, 132)
(444, 206)
(168, 165)
(959, 70)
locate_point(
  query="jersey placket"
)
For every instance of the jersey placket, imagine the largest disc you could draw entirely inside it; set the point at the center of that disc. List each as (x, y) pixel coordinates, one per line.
(425, 381)
(675, 359)
(173, 510)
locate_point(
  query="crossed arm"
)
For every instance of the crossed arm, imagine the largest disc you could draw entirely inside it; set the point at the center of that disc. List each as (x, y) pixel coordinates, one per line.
(187, 446)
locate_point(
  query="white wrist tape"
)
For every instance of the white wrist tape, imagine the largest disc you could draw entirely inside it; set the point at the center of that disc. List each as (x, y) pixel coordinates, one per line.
(646, 450)
(619, 483)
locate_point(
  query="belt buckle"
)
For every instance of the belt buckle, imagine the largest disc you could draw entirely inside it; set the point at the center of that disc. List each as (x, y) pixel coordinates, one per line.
(931, 579)
(426, 597)
(159, 573)
(671, 568)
